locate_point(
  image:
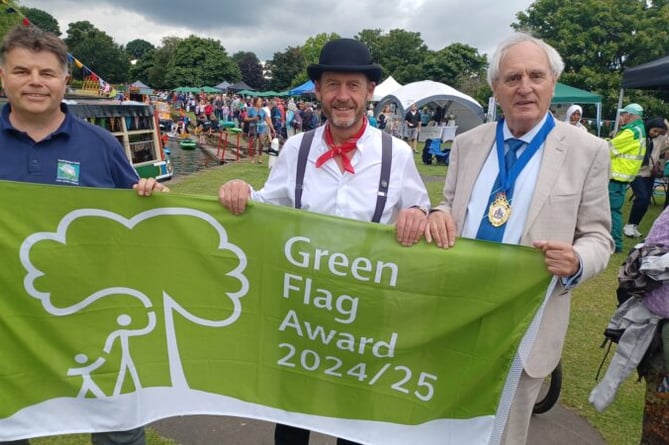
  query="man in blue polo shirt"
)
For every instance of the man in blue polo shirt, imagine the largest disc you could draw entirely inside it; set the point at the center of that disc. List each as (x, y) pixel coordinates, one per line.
(41, 142)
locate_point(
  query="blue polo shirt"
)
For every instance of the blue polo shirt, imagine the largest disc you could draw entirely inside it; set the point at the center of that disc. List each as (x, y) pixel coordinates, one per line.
(77, 153)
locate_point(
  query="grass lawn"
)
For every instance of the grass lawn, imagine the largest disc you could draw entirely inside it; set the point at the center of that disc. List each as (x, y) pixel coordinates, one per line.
(592, 305)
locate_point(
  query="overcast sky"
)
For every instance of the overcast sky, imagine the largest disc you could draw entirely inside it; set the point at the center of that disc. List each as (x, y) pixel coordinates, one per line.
(268, 26)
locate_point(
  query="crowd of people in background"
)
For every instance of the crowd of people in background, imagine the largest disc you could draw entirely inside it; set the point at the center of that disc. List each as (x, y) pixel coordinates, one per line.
(286, 117)
(282, 117)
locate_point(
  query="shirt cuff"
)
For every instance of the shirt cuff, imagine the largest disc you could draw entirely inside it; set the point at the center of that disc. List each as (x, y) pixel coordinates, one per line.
(574, 280)
(425, 210)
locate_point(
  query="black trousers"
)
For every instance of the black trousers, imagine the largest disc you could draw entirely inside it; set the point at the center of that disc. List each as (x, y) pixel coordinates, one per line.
(291, 435)
(131, 437)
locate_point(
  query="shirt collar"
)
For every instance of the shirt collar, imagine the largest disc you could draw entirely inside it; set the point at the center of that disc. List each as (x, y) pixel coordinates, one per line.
(65, 126)
(527, 137)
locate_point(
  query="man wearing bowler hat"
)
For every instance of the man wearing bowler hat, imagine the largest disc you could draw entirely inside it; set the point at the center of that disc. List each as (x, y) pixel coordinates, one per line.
(344, 164)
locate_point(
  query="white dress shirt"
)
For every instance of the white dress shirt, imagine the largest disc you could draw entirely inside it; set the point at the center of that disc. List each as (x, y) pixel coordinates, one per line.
(328, 190)
(522, 191)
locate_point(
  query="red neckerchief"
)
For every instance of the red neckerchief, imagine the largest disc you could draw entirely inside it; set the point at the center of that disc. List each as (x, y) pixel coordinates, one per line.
(341, 149)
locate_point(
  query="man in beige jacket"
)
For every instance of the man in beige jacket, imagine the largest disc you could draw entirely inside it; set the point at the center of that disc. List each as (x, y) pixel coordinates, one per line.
(553, 197)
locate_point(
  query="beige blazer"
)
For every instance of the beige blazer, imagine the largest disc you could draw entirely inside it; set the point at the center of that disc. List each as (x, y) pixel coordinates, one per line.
(570, 204)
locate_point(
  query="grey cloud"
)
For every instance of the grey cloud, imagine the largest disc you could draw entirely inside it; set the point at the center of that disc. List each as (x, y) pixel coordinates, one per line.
(268, 26)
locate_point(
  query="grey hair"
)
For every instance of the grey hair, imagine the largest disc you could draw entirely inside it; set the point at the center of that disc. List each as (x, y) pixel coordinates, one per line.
(554, 58)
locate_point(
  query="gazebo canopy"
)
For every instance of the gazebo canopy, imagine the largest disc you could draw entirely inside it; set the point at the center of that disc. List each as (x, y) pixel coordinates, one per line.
(654, 74)
(241, 85)
(469, 112)
(385, 88)
(223, 86)
(306, 88)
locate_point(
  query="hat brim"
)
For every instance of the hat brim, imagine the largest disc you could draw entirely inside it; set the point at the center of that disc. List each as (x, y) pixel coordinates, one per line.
(624, 111)
(373, 72)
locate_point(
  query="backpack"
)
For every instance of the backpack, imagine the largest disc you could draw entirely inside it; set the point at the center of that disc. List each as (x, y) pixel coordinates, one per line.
(275, 114)
(308, 120)
(246, 126)
(381, 121)
(426, 156)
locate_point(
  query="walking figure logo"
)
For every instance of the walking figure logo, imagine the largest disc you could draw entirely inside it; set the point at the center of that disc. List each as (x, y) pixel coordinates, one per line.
(78, 228)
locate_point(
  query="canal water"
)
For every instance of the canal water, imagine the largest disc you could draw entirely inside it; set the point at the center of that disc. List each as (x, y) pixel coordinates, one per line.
(186, 162)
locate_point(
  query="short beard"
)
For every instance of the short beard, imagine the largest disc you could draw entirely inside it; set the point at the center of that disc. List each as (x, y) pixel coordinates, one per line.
(343, 123)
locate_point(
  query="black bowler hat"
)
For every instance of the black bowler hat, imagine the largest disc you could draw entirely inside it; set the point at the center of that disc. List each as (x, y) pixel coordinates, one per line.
(346, 56)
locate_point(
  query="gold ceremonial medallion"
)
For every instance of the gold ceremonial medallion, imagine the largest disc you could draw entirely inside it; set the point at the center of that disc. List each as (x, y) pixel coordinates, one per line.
(499, 211)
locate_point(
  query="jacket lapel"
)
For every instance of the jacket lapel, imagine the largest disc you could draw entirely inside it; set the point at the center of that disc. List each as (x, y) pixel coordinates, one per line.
(473, 161)
(554, 154)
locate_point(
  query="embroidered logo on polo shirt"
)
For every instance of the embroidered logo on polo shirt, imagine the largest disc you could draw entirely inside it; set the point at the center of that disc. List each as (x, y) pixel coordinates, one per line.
(68, 172)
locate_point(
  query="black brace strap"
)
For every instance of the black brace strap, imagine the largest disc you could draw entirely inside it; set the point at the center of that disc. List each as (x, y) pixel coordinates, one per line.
(302, 156)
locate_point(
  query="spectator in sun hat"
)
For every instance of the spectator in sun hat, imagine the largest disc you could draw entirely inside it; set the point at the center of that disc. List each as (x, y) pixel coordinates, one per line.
(627, 150)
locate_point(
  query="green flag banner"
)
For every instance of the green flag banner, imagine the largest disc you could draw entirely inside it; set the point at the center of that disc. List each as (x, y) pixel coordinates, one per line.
(117, 310)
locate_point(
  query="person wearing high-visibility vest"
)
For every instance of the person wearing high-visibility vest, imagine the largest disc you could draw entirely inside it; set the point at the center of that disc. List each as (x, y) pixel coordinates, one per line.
(627, 149)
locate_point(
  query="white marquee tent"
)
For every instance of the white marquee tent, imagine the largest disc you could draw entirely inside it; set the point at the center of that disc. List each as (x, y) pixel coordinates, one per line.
(468, 112)
(385, 88)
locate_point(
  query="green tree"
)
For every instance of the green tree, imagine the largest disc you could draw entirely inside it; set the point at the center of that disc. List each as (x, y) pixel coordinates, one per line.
(452, 62)
(402, 53)
(311, 49)
(142, 68)
(155, 63)
(373, 39)
(98, 51)
(310, 53)
(199, 62)
(9, 19)
(250, 68)
(136, 49)
(460, 66)
(598, 39)
(42, 19)
(286, 69)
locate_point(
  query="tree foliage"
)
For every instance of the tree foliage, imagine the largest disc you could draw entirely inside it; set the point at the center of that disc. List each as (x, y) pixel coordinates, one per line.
(286, 69)
(460, 66)
(138, 48)
(98, 51)
(8, 19)
(42, 19)
(402, 53)
(454, 61)
(155, 62)
(599, 39)
(142, 68)
(199, 62)
(373, 39)
(250, 68)
(311, 49)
